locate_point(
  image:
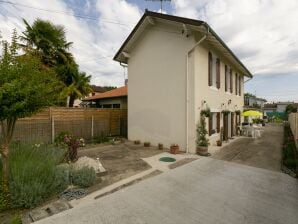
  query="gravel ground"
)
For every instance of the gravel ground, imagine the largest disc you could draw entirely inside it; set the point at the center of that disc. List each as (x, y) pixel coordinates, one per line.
(263, 152)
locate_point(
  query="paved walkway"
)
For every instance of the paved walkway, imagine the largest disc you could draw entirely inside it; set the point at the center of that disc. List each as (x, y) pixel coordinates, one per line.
(206, 191)
(263, 152)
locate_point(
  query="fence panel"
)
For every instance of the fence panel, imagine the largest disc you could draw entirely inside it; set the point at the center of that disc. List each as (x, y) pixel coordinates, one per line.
(82, 122)
(293, 120)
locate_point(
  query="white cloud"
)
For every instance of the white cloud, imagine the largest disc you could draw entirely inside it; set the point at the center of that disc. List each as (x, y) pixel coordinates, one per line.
(93, 39)
(261, 32)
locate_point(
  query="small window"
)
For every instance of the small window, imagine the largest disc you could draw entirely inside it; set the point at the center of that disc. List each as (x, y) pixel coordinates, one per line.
(117, 105)
(213, 70)
(227, 79)
(107, 106)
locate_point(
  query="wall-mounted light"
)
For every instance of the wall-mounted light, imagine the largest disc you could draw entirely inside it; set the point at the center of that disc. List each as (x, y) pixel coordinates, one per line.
(230, 101)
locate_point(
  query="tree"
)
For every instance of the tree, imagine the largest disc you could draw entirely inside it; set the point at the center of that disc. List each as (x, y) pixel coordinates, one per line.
(201, 133)
(26, 86)
(48, 40)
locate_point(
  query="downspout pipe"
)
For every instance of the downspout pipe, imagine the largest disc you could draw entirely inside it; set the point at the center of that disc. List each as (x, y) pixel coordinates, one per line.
(187, 80)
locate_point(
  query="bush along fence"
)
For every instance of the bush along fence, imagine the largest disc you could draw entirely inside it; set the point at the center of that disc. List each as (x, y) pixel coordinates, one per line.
(289, 152)
(88, 123)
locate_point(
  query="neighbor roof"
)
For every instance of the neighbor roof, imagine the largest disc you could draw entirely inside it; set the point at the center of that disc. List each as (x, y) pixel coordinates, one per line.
(213, 38)
(119, 92)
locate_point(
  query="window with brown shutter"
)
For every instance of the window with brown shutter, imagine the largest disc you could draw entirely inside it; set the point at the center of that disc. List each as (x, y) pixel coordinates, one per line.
(210, 69)
(210, 124)
(226, 78)
(218, 73)
(236, 83)
(218, 122)
(231, 80)
(240, 84)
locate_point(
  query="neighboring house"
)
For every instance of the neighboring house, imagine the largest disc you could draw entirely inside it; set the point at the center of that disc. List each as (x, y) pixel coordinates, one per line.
(251, 101)
(176, 68)
(116, 98)
(95, 90)
(279, 107)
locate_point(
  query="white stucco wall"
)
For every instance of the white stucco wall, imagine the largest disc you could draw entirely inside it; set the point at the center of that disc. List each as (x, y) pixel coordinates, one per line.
(157, 88)
(156, 93)
(214, 97)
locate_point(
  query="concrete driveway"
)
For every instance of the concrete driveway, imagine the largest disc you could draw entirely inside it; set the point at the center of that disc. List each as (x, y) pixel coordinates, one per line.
(205, 191)
(263, 152)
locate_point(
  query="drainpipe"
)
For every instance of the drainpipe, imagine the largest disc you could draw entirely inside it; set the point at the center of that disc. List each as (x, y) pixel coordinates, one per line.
(187, 79)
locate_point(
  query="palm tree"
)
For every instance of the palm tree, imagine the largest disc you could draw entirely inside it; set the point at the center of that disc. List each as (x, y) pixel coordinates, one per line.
(79, 87)
(48, 40)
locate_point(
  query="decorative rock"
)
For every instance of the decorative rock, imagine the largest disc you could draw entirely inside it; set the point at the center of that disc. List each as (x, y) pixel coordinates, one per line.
(89, 162)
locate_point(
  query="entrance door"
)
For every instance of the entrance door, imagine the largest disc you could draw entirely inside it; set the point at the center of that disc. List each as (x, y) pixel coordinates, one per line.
(232, 125)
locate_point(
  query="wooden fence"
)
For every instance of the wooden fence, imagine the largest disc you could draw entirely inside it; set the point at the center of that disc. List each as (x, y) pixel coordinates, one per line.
(82, 122)
(293, 120)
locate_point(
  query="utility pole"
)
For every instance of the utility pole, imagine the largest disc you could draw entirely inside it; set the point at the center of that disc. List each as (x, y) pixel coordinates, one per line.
(161, 2)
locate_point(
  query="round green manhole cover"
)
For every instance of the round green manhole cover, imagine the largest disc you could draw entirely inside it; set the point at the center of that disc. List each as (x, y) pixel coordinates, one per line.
(167, 159)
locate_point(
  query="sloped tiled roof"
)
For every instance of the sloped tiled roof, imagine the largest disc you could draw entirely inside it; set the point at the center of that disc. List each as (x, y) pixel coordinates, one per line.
(119, 92)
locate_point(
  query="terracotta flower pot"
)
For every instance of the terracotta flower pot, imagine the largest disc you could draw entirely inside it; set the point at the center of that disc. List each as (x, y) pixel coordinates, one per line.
(174, 149)
(147, 144)
(160, 146)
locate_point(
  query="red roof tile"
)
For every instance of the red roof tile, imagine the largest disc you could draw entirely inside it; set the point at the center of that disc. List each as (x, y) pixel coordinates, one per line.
(119, 92)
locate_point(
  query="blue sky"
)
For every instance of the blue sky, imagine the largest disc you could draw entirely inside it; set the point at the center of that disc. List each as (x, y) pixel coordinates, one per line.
(262, 34)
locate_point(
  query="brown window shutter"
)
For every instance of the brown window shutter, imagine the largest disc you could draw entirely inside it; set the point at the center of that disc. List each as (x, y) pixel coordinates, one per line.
(226, 78)
(218, 73)
(236, 83)
(210, 69)
(218, 122)
(240, 84)
(231, 80)
(210, 124)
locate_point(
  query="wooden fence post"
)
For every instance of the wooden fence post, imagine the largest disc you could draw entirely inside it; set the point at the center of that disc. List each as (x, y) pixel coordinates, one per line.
(92, 126)
(53, 129)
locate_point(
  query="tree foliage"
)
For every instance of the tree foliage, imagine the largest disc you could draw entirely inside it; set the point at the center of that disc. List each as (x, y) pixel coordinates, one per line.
(26, 86)
(201, 133)
(49, 41)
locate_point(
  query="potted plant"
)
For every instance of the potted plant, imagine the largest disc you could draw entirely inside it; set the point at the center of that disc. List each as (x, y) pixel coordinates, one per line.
(206, 112)
(147, 144)
(160, 146)
(174, 149)
(137, 142)
(202, 142)
(219, 142)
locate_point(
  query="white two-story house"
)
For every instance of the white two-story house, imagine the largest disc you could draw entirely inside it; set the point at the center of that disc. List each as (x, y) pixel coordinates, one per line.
(176, 68)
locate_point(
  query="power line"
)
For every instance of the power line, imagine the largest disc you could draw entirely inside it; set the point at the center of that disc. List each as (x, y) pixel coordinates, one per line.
(66, 13)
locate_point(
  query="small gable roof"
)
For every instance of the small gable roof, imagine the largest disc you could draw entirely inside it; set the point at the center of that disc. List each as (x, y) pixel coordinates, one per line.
(149, 17)
(119, 92)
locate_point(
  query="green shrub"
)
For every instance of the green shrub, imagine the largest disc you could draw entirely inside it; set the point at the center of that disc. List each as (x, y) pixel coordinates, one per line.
(34, 175)
(102, 138)
(4, 198)
(61, 178)
(59, 139)
(289, 153)
(16, 219)
(84, 177)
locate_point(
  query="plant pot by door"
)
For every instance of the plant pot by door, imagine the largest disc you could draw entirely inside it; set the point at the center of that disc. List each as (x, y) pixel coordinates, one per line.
(174, 149)
(202, 150)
